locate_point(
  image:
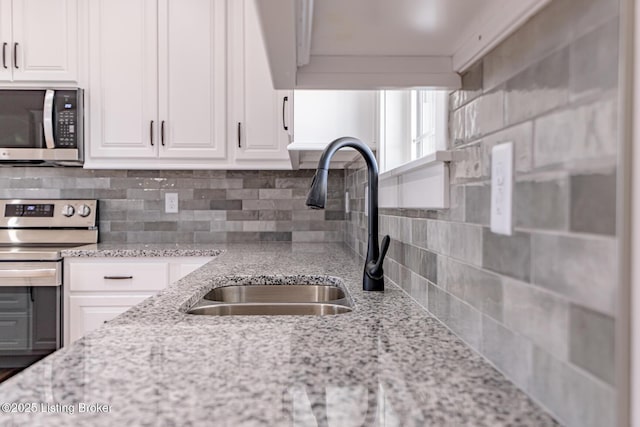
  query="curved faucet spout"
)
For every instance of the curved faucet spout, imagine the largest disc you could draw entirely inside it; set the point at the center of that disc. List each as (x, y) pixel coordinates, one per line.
(373, 278)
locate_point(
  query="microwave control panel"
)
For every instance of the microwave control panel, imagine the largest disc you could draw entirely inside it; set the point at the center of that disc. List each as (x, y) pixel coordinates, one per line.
(66, 119)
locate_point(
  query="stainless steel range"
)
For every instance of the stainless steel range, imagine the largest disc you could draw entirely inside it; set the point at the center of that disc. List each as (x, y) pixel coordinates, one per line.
(32, 235)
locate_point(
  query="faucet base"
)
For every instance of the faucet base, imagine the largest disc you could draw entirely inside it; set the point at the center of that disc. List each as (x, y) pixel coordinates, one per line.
(371, 284)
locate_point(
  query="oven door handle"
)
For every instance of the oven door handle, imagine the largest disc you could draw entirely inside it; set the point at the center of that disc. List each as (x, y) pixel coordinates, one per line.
(47, 118)
(36, 272)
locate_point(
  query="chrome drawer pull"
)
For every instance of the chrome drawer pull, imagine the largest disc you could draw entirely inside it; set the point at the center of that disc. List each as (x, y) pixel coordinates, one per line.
(118, 277)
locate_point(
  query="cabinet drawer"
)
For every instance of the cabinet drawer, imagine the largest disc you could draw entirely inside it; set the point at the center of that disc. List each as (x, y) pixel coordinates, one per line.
(120, 276)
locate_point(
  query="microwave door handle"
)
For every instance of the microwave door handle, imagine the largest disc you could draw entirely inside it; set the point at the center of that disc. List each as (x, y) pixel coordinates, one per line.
(47, 119)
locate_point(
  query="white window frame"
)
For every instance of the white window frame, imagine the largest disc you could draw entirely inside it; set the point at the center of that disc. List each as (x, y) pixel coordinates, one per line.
(422, 181)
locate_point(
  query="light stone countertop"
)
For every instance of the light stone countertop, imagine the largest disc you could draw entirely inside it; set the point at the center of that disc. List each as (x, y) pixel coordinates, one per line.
(142, 250)
(387, 363)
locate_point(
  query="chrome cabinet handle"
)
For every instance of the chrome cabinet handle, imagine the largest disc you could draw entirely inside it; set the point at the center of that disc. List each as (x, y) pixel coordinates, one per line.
(47, 118)
(15, 55)
(4, 55)
(118, 277)
(151, 133)
(284, 103)
(162, 133)
(239, 135)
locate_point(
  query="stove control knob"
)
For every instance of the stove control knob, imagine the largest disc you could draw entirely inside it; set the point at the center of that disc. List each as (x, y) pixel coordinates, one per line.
(84, 211)
(68, 210)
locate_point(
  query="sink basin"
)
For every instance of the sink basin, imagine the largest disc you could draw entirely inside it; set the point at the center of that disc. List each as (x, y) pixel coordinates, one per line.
(273, 300)
(275, 294)
(270, 309)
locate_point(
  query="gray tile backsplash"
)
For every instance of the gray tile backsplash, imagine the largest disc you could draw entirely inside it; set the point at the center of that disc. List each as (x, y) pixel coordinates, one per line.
(215, 206)
(540, 305)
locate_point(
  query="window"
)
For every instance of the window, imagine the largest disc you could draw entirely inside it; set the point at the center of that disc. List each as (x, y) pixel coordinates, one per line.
(413, 124)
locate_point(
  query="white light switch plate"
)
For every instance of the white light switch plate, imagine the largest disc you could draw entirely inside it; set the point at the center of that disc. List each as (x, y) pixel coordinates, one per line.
(346, 202)
(171, 203)
(502, 188)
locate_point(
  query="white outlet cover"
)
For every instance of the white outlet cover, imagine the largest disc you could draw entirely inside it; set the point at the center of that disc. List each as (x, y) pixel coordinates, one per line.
(502, 188)
(346, 202)
(171, 203)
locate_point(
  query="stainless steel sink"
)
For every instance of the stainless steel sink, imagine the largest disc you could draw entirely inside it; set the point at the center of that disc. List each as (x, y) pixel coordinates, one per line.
(272, 309)
(275, 294)
(273, 300)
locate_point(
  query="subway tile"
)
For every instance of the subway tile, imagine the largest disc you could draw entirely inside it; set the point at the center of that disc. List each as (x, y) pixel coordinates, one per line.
(594, 61)
(510, 255)
(461, 318)
(484, 115)
(511, 353)
(457, 126)
(160, 226)
(477, 287)
(522, 137)
(243, 237)
(143, 194)
(419, 233)
(576, 399)
(293, 183)
(271, 205)
(458, 240)
(259, 183)
(194, 226)
(243, 215)
(243, 194)
(592, 342)
(210, 237)
(206, 194)
(593, 203)
(541, 316)
(259, 226)
(542, 204)
(477, 204)
(275, 236)
(584, 132)
(274, 194)
(581, 268)
(467, 164)
(226, 204)
(333, 215)
(275, 215)
(538, 89)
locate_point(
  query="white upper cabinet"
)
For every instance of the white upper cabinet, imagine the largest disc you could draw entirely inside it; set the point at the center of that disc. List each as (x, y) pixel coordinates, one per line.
(5, 40)
(260, 122)
(123, 64)
(157, 83)
(39, 40)
(192, 38)
(382, 44)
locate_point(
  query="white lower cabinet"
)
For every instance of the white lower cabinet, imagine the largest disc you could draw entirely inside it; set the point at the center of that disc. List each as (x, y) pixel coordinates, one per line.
(99, 289)
(89, 312)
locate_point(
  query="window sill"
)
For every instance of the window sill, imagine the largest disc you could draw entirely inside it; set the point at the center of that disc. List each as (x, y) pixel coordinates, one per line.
(420, 184)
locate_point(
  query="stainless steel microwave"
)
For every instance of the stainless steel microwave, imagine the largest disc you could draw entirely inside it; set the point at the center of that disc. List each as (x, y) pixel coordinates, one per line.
(42, 126)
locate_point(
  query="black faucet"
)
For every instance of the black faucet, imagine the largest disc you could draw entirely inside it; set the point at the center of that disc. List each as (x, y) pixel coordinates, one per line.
(373, 278)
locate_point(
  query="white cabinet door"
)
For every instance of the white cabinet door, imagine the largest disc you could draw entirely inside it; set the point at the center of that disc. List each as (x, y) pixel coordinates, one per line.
(324, 115)
(178, 270)
(192, 38)
(6, 41)
(258, 128)
(90, 312)
(45, 40)
(122, 93)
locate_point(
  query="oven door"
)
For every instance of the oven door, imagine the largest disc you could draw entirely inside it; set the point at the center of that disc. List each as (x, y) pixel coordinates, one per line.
(30, 312)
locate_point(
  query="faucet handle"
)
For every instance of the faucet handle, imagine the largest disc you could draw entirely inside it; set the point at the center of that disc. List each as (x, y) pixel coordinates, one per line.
(375, 269)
